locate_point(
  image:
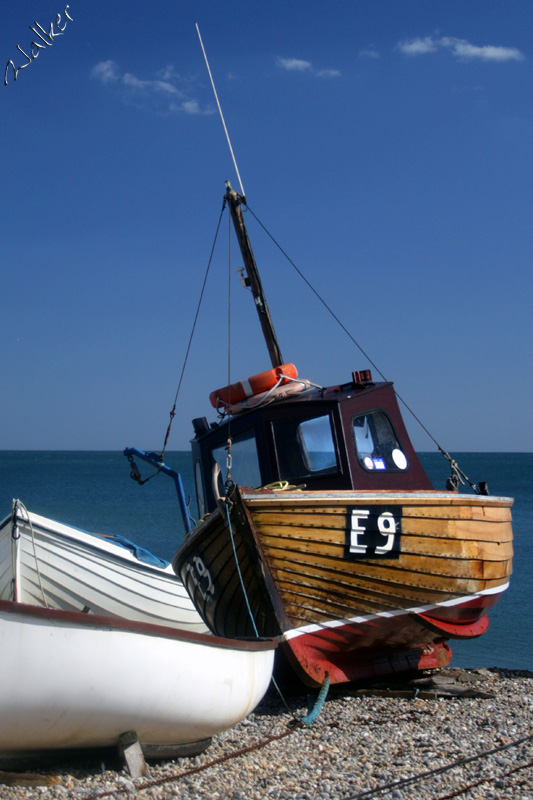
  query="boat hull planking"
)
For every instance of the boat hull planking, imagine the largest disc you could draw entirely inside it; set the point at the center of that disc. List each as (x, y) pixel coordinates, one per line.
(358, 583)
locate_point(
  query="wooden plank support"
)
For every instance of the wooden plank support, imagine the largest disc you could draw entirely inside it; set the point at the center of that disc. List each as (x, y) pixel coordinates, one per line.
(28, 779)
(131, 751)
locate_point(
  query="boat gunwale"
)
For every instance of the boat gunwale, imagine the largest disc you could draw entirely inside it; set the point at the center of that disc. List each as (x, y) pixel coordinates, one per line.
(131, 626)
(98, 543)
(349, 496)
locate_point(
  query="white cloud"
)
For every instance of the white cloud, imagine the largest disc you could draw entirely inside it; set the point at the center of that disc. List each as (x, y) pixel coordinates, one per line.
(487, 53)
(294, 64)
(299, 65)
(460, 49)
(169, 73)
(328, 73)
(368, 52)
(135, 83)
(105, 71)
(417, 47)
(192, 107)
(167, 93)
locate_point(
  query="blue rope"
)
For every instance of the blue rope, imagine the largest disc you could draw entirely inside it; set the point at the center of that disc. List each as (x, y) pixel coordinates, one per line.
(311, 717)
(238, 565)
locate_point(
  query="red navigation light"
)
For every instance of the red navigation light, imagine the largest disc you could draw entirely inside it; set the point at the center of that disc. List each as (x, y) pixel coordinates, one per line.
(362, 376)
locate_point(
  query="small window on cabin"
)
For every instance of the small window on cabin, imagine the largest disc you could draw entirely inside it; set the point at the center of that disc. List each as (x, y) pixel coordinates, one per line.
(305, 447)
(244, 460)
(376, 443)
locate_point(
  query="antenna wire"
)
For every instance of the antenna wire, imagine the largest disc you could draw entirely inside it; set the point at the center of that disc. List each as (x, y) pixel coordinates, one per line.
(220, 111)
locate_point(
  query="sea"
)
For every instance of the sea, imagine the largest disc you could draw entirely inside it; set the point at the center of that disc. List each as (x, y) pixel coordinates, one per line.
(94, 491)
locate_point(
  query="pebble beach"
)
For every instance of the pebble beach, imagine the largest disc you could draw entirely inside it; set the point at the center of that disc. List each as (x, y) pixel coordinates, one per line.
(457, 733)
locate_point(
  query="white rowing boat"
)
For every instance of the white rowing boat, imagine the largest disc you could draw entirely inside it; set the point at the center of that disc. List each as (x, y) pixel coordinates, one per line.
(75, 680)
(47, 563)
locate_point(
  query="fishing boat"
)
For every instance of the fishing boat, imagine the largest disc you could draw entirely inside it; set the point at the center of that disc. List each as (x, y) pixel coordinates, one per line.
(50, 564)
(320, 525)
(73, 680)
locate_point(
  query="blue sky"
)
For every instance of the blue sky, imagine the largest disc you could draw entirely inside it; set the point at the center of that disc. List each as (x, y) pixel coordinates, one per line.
(387, 147)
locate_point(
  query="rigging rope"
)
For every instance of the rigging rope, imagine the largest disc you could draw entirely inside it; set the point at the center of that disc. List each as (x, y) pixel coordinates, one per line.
(458, 476)
(173, 410)
(23, 507)
(309, 284)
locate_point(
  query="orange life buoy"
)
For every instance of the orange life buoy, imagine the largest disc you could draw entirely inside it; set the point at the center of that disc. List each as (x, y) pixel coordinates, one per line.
(254, 385)
(277, 393)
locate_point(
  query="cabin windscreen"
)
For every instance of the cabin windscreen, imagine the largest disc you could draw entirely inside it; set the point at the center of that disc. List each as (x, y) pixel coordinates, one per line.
(377, 445)
(305, 447)
(244, 466)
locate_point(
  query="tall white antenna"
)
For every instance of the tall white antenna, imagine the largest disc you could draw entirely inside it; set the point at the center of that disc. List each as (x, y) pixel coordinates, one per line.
(220, 111)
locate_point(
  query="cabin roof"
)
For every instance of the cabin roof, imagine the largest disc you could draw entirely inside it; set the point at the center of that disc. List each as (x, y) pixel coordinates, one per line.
(330, 395)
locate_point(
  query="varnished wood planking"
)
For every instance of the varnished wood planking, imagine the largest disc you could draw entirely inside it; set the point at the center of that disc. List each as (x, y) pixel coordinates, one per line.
(407, 570)
(294, 590)
(400, 584)
(302, 595)
(446, 552)
(379, 590)
(446, 555)
(302, 541)
(308, 593)
(227, 611)
(405, 581)
(327, 524)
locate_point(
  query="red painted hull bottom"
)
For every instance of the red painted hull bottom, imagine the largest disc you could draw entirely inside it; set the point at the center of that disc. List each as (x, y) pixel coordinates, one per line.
(382, 645)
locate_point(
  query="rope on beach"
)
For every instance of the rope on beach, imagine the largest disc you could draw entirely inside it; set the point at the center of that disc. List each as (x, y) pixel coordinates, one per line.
(464, 789)
(291, 728)
(452, 765)
(317, 708)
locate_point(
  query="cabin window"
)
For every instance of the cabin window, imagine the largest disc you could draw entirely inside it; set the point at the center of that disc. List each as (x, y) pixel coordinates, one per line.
(244, 460)
(305, 447)
(377, 445)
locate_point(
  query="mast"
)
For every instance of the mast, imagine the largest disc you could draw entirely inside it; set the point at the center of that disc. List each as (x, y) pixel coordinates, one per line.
(252, 275)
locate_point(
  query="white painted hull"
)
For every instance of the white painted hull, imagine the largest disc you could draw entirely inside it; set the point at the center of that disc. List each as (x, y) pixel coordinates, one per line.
(71, 680)
(46, 563)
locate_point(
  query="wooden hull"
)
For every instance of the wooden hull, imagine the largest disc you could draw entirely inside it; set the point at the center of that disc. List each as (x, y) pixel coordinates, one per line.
(74, 680)
(358, 583)
(47, 563)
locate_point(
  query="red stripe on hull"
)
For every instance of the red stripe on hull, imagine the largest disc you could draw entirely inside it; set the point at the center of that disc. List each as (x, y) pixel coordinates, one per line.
(384, 645)
(468, 630)
(469, 612)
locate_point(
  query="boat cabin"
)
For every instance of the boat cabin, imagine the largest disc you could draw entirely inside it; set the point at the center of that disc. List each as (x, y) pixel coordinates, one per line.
(337, 438)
